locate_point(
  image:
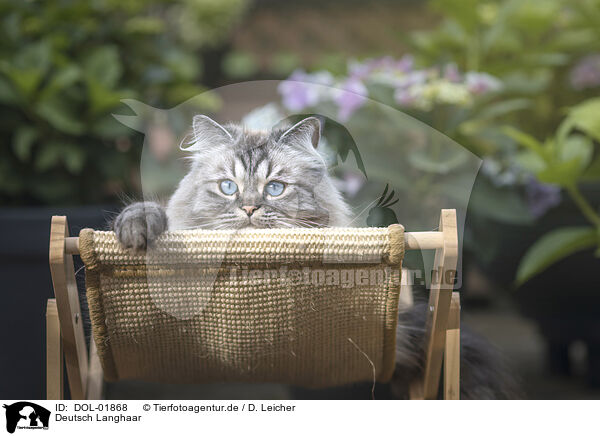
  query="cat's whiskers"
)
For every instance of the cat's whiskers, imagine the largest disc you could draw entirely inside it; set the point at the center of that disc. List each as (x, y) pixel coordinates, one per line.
(357, 216)
(295, 222)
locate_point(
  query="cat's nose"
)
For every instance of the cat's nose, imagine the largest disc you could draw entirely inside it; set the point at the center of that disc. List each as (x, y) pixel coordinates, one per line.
(249, 209)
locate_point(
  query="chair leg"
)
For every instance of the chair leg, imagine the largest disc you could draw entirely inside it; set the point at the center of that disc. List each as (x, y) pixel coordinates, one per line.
(452, 352)
(69, 311)
(54, 354)
(440, 296)
(95, 380)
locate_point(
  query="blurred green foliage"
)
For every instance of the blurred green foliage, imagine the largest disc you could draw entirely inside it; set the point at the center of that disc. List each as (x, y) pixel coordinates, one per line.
(530, 45)
(535, 48)
(495, 34)
(565, 159)
(64, 67)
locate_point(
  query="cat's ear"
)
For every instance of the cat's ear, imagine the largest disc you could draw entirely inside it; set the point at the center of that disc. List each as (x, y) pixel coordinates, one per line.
(206, 133)
(307, 131)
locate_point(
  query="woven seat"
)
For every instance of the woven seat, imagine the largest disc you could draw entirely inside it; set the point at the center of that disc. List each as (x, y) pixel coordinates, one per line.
(308, 307)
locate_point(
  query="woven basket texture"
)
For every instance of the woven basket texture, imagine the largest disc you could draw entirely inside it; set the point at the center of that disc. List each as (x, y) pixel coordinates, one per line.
(308, 307)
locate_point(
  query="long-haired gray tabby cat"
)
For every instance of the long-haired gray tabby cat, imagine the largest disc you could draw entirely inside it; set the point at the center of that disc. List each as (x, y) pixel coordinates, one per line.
(241, 178)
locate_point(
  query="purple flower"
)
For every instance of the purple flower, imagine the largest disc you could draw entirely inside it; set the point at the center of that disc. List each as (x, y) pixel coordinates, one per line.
(359, 70)
(586, 74)
(541, 197)
(404, 96)
(382, 64)
(387, 65)
(480, 83)
(297, 95)
(350, 97)
(405, 64)
(298, 91)
(451, 73)
(411, 79)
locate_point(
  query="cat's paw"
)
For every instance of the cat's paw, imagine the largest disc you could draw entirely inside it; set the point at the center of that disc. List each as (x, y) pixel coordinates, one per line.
(139, 224)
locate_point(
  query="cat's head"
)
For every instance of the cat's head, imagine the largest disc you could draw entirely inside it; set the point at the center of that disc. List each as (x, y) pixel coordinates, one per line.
(263, 179)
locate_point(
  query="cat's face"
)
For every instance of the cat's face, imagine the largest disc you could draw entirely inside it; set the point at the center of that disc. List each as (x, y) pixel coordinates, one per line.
(256, 179)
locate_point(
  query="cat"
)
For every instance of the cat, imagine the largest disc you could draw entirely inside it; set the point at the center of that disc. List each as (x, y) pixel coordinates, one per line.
(241, 178)
(271, 179)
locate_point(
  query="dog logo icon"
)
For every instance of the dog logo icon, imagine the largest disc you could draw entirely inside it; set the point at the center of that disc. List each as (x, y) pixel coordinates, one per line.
(26, 415)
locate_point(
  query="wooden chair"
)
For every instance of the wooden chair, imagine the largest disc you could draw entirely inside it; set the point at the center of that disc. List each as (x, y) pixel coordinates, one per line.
(65, 335)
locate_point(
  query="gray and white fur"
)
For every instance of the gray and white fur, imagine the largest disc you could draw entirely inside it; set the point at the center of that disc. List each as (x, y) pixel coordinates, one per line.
(252, 160)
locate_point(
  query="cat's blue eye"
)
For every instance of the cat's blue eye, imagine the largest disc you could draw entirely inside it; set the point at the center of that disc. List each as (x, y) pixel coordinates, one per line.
(228, 187)
(274, 188)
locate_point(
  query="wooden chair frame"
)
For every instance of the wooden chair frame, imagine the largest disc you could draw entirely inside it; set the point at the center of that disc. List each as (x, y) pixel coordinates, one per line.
(65, 337)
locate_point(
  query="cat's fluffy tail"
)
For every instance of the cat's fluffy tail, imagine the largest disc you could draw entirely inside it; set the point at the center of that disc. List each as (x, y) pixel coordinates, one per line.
(484, 374)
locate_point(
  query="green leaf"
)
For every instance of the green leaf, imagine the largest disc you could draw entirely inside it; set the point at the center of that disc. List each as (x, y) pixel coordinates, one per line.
(34, 56)
(465, 12)
(185, 66)
(102, 99)
(62, 79)
(568, 160)
(103, 66)
(553, 247)
(570, 40)
(584, 117)
(592, 173)
(525, 140)
(23, 142)
(48, 157)
(536, 18)
(501, 108)
(487, 116)
(576, 147)
(55, 113)
(54, 152)
(7, 93)
(28, 67)
(530, 161)
(548, 59)
(145, 25)
(528, 83)
(561, 173)
(25, 81)
(499, 25)
(74, 157)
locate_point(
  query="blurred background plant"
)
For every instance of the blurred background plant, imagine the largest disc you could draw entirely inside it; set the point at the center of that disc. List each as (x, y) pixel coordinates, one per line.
(540, 50)
(525, 63)
(546, 56)
(66, 64)
(566, 160)
(515, 82)
(439, 96)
